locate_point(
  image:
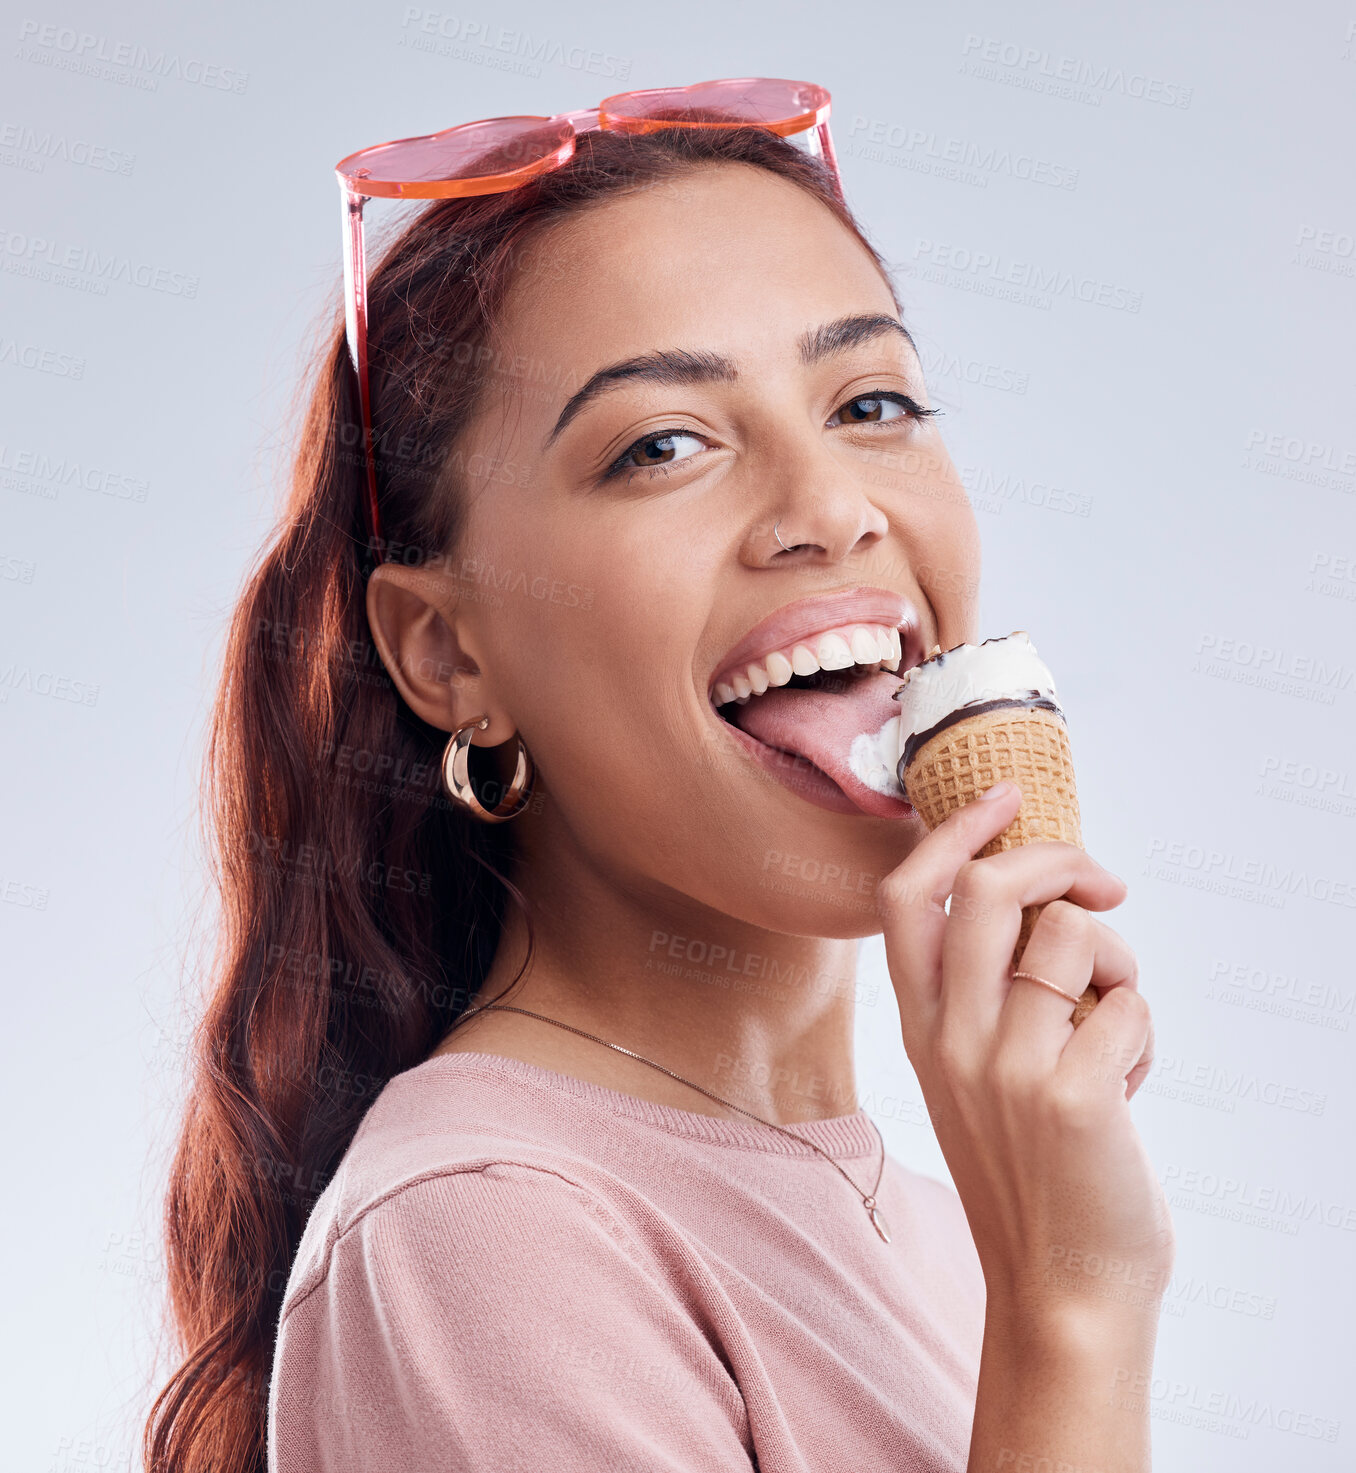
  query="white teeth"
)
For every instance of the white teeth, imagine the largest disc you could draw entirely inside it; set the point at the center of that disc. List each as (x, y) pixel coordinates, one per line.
(891, 650)
(833, 652)
(865, 647)
(779, 669)
(836, 649)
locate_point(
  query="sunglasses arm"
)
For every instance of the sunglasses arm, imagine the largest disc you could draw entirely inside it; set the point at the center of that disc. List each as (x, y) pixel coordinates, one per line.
(827, 154)
(355, 330)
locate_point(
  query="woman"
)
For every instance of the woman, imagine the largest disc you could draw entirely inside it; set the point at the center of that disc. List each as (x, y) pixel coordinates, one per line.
(613, 1204)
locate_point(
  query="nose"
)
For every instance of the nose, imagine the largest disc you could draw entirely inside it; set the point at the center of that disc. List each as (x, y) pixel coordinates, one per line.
(819, 514)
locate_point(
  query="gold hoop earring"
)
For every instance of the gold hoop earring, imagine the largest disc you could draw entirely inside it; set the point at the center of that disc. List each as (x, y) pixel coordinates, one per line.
(457, 776)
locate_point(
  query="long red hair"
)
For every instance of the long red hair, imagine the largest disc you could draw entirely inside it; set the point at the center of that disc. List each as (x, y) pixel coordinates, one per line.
(359, 909)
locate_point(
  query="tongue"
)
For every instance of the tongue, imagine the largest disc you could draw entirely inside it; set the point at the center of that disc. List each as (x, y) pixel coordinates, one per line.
(821, 725)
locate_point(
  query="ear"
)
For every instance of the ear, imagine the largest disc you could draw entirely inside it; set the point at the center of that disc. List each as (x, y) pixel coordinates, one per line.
(421, 634)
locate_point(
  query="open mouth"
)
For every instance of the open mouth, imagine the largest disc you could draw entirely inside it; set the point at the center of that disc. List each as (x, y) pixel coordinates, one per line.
(857, 647)
(799, 709)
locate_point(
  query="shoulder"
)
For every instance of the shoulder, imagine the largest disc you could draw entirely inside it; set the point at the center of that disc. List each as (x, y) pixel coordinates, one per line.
(439, 1158)
(480, 1300)
(451, 1206)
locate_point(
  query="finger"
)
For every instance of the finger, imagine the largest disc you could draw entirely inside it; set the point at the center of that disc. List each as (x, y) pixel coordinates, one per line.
(1107, 1047)
(913, 895)
(1143, 1065)
(986, 916)
(1071, 948)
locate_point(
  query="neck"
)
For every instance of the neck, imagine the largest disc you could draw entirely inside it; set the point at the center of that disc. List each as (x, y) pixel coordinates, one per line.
(758, 1018)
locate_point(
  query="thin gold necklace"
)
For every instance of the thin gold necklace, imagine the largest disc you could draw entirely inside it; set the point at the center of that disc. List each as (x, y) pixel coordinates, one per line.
(869, 1202)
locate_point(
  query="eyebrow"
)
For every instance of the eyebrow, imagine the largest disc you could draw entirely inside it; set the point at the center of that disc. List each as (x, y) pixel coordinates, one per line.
(674, 366)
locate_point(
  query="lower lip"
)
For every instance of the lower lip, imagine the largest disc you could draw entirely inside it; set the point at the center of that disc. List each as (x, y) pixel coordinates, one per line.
(803, 778)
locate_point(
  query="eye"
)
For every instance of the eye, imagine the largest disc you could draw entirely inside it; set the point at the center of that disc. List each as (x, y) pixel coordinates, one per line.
(651, 451)
(871, 408)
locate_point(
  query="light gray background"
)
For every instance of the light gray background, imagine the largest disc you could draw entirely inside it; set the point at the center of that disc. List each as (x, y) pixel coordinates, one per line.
(1166, 498)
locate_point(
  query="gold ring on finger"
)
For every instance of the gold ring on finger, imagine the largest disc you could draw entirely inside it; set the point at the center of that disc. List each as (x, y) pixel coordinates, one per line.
(1032, 977)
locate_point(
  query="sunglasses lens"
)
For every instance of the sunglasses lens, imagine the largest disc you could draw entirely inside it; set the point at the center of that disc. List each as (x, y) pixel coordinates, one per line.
(501, 149)
(762, 100)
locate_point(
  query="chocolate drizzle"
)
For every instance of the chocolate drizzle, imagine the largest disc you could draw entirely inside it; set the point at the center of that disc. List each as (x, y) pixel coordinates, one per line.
(962, 713)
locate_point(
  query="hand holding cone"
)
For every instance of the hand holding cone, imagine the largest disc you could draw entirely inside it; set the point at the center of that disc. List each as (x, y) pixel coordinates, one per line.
(1022, 743)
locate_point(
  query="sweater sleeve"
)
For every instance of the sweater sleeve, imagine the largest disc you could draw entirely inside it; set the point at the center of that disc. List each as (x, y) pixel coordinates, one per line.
(498, 1318)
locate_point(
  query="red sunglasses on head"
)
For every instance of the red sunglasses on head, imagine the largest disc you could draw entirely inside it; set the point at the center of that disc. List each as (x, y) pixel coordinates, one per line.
(498, 154)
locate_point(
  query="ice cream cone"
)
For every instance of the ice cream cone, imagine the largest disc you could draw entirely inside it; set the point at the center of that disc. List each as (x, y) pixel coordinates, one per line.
(1024, 744)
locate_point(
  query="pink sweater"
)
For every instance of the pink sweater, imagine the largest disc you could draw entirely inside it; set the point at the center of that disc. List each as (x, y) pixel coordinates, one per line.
(516, 1269)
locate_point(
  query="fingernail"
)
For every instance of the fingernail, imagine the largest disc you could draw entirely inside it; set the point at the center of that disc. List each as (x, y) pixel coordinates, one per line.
(999, 790)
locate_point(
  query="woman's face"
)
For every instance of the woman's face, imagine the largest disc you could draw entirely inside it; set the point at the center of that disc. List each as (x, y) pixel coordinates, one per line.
(619, 566)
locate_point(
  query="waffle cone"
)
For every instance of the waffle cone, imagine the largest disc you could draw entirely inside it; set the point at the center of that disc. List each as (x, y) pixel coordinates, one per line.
(1025, 745)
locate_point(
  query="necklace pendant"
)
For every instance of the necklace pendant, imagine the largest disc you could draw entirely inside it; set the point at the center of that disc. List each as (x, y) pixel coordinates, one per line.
(877, 1219)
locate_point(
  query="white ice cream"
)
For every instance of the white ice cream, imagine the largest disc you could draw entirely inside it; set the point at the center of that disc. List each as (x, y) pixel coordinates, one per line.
(874, 756)
(997, 669)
